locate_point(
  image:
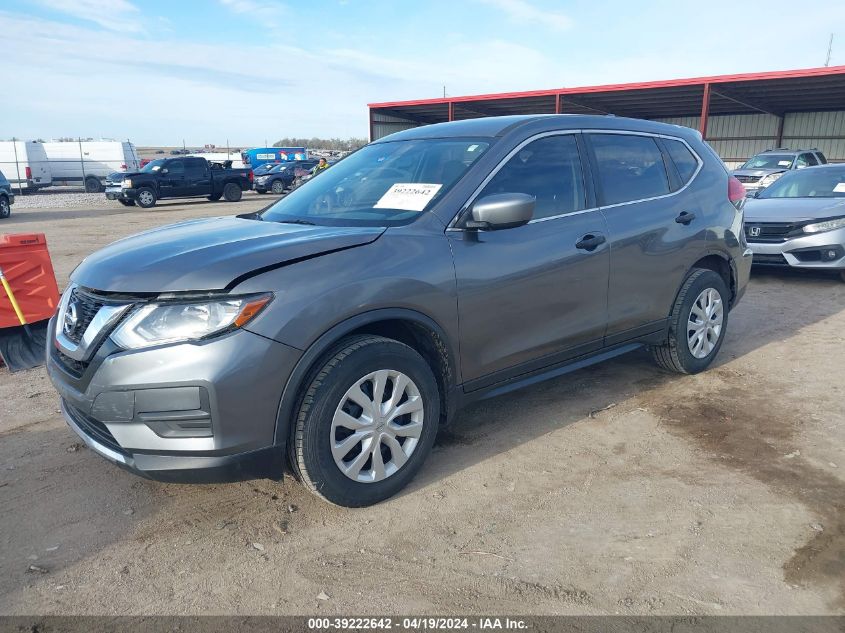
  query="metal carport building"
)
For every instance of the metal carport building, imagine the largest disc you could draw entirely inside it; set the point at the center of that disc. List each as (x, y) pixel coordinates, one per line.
(739, 115)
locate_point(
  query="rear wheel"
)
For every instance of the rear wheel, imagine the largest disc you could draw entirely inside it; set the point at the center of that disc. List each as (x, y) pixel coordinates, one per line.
(232, 192)
(93, 185)
(146, 197)
(5, 208)
(366, 423)
(278, 187)
(697, 324)
(126, 203)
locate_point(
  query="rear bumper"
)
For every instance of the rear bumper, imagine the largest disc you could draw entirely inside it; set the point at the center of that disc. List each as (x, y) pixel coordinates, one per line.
(825, 251)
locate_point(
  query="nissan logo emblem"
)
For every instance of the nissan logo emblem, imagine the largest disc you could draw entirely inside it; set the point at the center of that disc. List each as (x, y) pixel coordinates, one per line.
(71, 319)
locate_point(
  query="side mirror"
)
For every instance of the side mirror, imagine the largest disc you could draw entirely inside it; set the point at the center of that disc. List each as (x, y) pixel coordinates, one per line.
(501, 211)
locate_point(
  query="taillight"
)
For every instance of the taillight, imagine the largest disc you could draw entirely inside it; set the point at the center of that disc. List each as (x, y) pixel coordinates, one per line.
(251, 176)
(736, 191)
(29, 173)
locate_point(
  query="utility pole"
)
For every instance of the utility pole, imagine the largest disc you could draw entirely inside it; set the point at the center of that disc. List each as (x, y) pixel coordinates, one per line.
(444, 92)
(829, 49)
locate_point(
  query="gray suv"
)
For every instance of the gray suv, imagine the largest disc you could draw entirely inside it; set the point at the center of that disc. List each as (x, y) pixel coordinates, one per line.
(762, 170)
(337, 330)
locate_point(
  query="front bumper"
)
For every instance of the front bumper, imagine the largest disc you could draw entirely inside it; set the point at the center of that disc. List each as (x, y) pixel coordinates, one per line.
(185, 412)
(117, 193)
(825, 251)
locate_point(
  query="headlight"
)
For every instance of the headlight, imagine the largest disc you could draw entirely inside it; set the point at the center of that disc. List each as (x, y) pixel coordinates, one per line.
(160, 323)
(126, 183)
(827, 225)
(765, 181)
(261, 179)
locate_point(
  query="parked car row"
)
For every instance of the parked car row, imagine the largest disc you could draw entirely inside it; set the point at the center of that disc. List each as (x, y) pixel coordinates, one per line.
(762, 170)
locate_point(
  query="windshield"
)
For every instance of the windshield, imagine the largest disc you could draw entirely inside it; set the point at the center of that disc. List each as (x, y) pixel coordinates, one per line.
(153, 165)
(382, 184)
(770, 161)
(814, 182)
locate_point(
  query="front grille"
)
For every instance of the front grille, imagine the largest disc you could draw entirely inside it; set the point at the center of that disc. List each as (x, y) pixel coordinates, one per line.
(770, 259)
(771, 232)
(87, 307)
(750, 179)
(93, 428)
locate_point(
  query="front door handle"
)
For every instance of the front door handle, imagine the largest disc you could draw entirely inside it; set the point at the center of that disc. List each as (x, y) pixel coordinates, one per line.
(590, 242)
(685, 217)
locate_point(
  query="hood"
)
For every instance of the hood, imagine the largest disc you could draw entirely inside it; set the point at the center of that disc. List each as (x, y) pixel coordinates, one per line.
(757, 173)
(793, 210)
(208, 254)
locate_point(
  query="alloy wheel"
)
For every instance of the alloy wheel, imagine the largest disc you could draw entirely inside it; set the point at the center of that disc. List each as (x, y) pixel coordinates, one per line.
(377, 426)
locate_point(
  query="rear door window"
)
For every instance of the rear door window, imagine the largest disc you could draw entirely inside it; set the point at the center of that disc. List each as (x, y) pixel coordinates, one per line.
(548, 169)
(807, 160)
(195, 168)
(630, 167)
(685, 161)
(176, 168)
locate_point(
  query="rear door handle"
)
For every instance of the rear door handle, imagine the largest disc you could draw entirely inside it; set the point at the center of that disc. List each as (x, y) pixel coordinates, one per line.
(685, 217)
(590, 242)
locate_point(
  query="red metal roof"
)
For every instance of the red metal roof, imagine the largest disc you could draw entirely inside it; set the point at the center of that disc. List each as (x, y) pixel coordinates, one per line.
(647, 85)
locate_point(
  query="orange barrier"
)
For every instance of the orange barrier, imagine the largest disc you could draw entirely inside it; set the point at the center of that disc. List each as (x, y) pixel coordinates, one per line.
(25, 262)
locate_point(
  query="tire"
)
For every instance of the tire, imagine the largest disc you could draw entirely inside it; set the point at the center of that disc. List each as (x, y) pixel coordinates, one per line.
(232, 192)
(126, 203)
(146, 198)
(93, 185)
(215, 197)
(841, 273)
(278, 187)
(5, 208)
(362, 361)
(676, 354)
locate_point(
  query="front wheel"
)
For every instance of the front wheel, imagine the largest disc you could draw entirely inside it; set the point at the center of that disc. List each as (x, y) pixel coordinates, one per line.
(232, 192)
(146, 198)
(366, 423)
(278, 187)
(5, 208)
(697, 324)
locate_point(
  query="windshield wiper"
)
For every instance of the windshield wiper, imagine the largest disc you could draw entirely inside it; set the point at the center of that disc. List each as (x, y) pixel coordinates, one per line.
(306, 222)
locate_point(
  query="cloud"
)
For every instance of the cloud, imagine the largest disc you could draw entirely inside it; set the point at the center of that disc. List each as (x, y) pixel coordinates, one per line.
(114, 15)
(268, 13)
(524, 11)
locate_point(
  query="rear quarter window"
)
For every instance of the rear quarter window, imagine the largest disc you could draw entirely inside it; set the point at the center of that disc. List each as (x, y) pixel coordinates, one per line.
(630, 167)
(685, 161)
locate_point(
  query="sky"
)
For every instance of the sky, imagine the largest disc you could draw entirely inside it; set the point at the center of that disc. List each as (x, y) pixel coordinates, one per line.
(159, 72)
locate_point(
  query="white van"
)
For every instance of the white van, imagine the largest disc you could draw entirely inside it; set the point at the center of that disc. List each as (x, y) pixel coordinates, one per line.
(25, 165)
(89, 162)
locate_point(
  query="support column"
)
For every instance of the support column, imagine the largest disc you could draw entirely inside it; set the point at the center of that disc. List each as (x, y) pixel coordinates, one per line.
(451, 111)
(371, 125)
(780, 131)
(558, 104)
(705, 111)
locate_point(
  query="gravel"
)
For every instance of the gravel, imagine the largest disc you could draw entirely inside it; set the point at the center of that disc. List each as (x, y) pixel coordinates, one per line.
(61, 200)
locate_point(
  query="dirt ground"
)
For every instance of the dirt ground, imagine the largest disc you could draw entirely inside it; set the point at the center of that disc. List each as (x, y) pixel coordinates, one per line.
(615, 489)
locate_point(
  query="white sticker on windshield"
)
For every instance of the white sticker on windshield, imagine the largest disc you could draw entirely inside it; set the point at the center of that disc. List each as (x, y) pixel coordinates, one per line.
(408, 196)
(839, 188)
(784, 163)
(472, 148)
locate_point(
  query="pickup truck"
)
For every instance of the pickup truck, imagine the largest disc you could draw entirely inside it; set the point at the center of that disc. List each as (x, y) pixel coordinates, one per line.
(184, 177)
